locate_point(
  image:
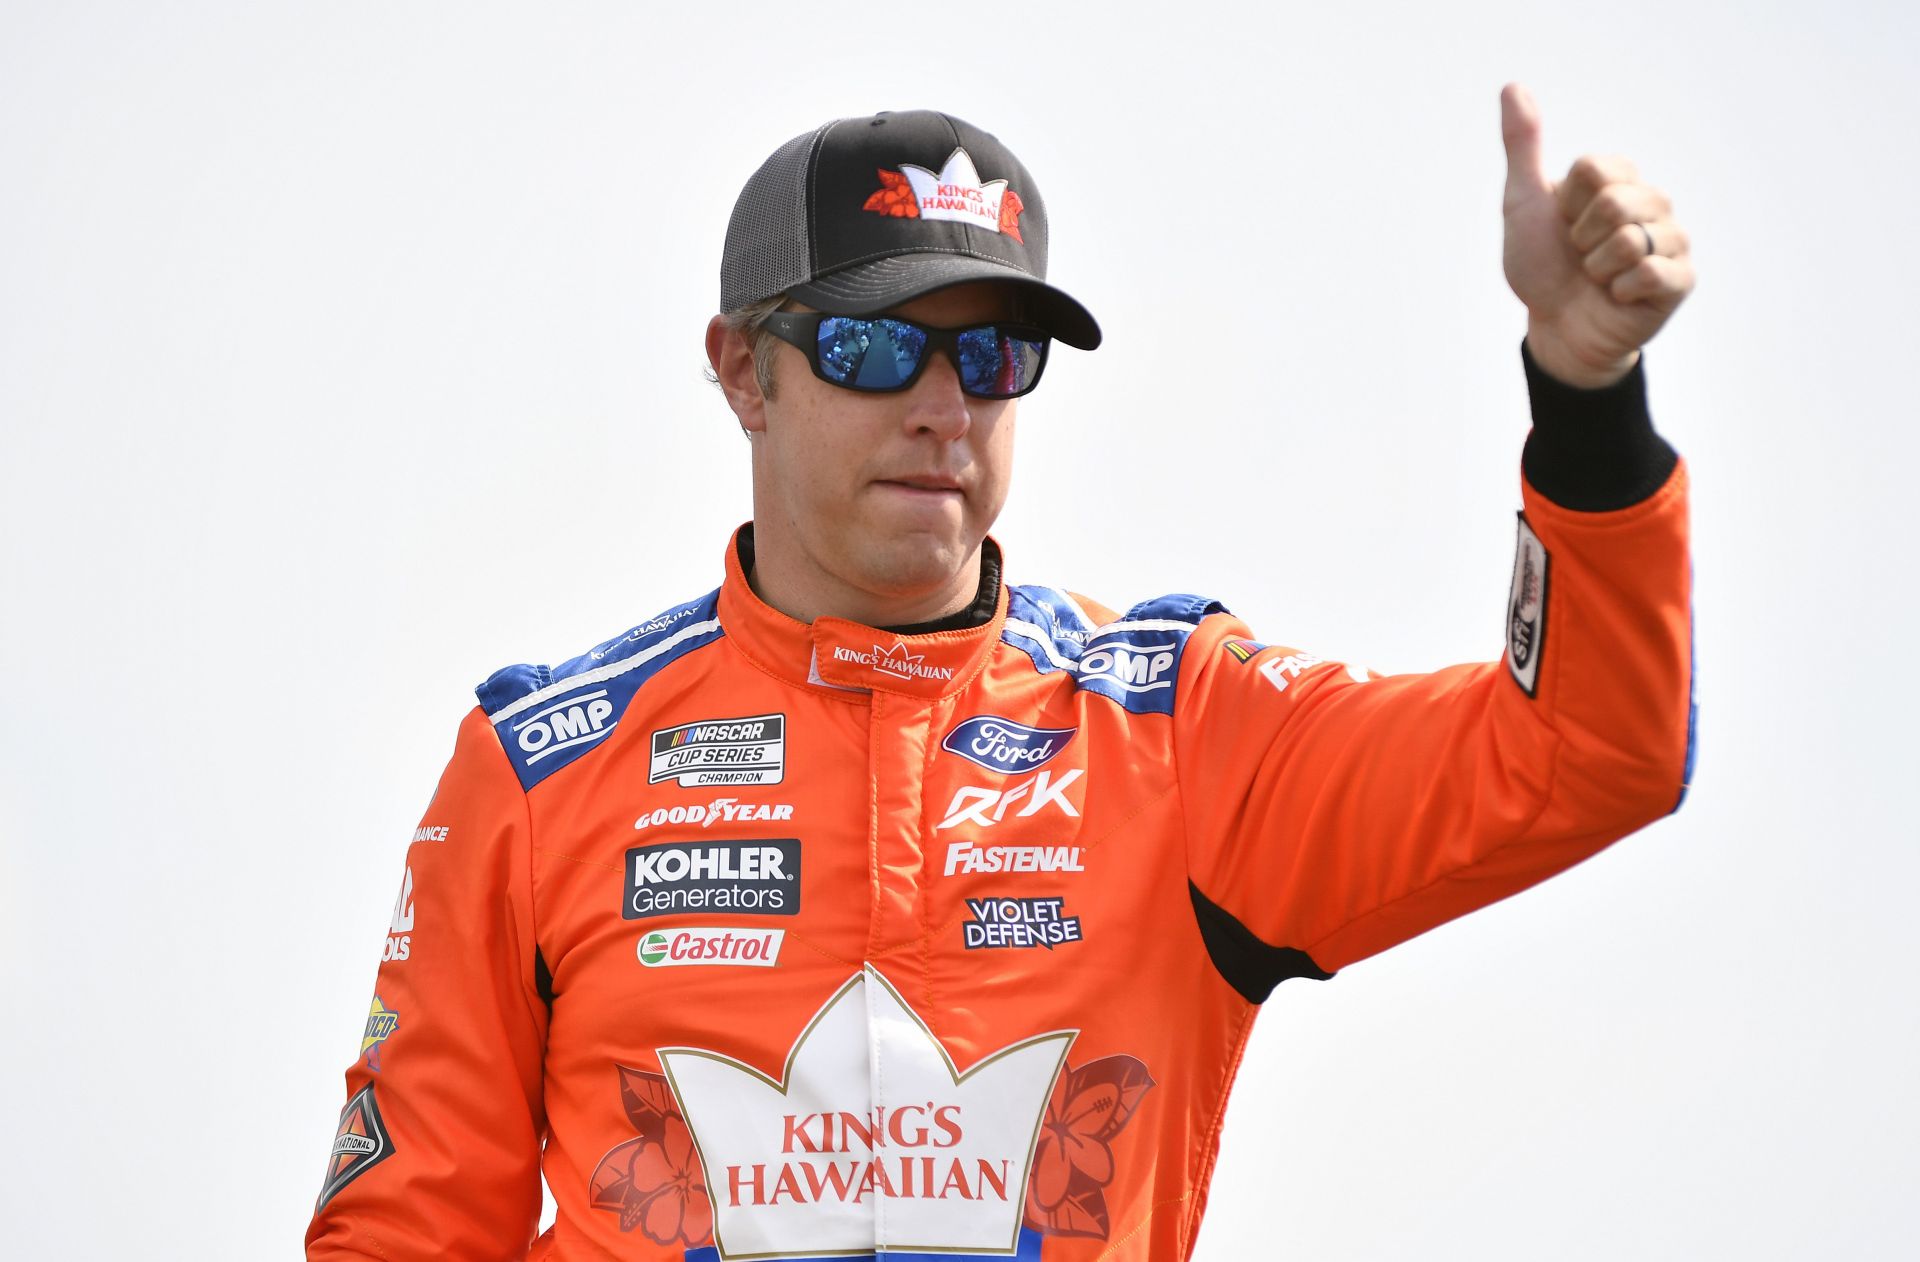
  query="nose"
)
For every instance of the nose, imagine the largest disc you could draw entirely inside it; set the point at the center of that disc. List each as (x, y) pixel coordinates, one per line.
(937, 405)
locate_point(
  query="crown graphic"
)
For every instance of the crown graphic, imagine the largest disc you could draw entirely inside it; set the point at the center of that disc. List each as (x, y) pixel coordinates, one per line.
(871, 1140)
(953, 192)
(897, 661)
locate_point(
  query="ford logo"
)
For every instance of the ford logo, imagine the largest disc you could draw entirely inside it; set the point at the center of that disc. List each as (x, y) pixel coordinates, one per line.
(1005, 746)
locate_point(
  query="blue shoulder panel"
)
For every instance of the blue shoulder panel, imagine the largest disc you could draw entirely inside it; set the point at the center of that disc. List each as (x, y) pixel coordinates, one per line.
(547, 716)
(1134, 661)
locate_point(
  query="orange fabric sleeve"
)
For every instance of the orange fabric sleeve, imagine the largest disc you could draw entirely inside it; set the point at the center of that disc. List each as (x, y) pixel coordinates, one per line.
(1337, 818)
(438, 1150)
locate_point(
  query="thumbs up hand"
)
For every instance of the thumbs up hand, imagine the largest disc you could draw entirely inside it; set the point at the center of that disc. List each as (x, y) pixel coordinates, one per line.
(1596, 257)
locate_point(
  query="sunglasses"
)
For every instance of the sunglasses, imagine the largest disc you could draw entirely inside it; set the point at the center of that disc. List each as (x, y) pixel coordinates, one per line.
(884, 354)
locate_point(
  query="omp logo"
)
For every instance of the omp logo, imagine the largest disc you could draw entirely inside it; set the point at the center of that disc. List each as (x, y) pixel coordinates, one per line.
(400, 929)
(749, 750)
(731, 810)
(967, 858)
(987, 807)
(1005, 746)
(1130, 667)
(741, 878)
(895, 661)
(578, 720)
(670, 948)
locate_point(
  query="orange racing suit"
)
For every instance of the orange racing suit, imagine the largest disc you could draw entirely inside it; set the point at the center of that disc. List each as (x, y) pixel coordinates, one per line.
(769, 940)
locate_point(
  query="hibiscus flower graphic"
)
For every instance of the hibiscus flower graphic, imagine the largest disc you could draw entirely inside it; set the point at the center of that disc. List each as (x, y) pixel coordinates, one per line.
(654, 1182)
(1073, 1161)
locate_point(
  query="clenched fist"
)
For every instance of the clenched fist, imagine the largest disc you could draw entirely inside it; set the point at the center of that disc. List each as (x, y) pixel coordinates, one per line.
(1597, 257)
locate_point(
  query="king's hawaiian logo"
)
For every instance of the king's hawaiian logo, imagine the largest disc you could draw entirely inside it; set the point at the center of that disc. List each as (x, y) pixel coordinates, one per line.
(871, 1143)
(895, 661)
(820, 1163)
(953, 192)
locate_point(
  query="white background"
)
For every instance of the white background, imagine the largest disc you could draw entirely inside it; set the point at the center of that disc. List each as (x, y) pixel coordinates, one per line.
(349, 351)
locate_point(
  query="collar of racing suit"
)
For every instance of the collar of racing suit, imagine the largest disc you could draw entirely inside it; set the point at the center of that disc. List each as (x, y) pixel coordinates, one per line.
(842, 655)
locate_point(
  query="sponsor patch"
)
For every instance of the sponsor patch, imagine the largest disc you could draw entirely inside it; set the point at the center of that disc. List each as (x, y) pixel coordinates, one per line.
(382, 1021)
(670, 948)
(1018, 922)
(895, 661)
(1005, 746)
(1243, 650)
(966, 858)
(740, 878)
(581, 719)
(987, 807)
(718, 811)
(814, 1165)
(1131, 668)
(1279, 671)
(400, 928)
(430, 832)
(953, 192)
(751, 750)
(1527, 609)
(360, 1143)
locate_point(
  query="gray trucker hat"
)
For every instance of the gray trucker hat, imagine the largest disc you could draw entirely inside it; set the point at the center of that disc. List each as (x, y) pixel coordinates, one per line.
(866, 213)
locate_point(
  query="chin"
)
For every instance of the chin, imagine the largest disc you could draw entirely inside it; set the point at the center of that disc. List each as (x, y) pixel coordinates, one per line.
(911, 564)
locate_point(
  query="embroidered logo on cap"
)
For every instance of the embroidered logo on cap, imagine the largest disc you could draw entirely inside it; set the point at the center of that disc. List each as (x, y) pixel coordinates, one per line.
(953, 192)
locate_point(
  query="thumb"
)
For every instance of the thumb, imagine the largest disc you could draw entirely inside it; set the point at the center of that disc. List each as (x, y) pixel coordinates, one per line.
(1520, 129)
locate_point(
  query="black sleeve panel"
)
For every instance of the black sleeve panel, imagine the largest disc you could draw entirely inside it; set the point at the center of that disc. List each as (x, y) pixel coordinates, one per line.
(1593, 451)
(1249, 965)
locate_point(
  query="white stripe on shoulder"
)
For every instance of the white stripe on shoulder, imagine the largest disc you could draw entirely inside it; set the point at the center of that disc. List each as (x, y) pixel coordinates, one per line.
(1041, 640)
(600, 674)
(1144, 624)
(1073, 607)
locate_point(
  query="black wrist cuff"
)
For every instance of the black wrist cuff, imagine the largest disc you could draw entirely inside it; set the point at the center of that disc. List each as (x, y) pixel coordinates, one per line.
(1593, 450)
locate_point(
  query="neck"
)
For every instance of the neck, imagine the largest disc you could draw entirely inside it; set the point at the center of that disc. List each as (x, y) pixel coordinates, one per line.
(805, 593)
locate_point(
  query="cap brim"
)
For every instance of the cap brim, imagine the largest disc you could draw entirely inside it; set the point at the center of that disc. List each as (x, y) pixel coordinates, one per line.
(866, 288)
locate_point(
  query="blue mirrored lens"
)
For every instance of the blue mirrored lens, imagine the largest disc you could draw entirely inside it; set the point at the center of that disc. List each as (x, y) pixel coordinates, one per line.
(996, 363)
(869, 354)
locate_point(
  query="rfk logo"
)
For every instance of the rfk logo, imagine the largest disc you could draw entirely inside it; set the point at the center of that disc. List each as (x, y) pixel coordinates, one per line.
(987, 807)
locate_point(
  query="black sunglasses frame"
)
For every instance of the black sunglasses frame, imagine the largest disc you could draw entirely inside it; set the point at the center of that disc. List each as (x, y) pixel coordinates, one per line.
(802, 329)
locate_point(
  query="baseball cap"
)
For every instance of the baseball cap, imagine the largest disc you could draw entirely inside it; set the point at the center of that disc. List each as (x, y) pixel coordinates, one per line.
(865, 213)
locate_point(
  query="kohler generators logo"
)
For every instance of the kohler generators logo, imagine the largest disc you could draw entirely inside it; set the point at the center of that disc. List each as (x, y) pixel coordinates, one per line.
(741, 878)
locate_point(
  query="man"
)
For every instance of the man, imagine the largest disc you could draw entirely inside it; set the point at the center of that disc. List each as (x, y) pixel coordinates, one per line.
(871, 906)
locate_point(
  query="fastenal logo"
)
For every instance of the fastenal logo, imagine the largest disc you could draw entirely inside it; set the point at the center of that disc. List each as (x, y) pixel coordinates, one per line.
(579, 720)
(720, 810)
(1018, 922)
(895, 661)
(750, 750)
(669, 948)
(987, 807)
(1278, 671)
(966, 858)
(1005, 746)
(742, 878)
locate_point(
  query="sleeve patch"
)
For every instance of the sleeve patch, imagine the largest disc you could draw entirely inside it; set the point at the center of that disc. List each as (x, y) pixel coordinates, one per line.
(1527, 609)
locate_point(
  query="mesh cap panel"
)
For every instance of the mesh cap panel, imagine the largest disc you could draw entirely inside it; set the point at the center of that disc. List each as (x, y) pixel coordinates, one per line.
(767, 250)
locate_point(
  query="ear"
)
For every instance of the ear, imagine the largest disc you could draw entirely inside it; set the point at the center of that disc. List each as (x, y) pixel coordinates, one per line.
(732, 361)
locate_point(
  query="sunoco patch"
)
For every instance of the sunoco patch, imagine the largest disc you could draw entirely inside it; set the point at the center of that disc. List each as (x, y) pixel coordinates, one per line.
(738, 878)
(751, 750)
(1527, 609)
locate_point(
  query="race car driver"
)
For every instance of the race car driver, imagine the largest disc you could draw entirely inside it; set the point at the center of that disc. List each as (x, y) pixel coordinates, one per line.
(794, 922)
